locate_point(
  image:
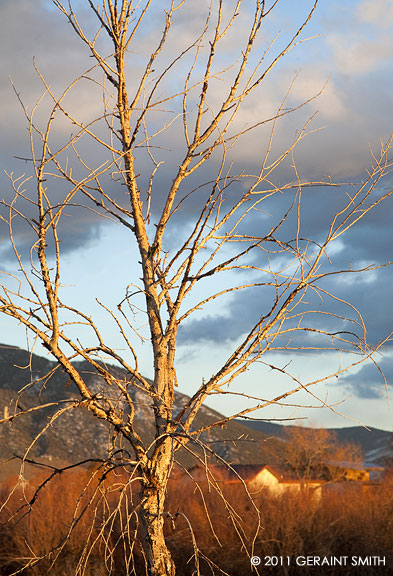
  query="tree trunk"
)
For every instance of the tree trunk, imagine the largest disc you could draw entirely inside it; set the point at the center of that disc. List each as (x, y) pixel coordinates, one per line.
(158, 557)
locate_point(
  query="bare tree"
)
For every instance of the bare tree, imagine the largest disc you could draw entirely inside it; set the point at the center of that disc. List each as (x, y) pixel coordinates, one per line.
(312, 453)
(128, 138)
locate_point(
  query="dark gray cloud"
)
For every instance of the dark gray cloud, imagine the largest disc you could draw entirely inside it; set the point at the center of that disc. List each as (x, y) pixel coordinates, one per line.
(29, 29)
(372, 300)
(368, 382)
(369, 293)
(77, 227)
(32, 30)
(354, 107)
(368, 243)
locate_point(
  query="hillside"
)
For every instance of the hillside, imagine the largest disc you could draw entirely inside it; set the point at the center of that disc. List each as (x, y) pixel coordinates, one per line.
(77, 435)
(376, 445)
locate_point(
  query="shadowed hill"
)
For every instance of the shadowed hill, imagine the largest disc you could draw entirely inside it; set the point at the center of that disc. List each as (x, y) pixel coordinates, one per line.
(376, 445)
(76, 434)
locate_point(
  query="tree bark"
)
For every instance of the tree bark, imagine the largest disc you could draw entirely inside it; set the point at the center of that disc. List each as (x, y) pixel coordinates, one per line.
(153, 490)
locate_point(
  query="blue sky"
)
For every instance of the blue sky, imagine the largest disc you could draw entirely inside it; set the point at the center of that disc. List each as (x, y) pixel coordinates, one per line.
(353, 52)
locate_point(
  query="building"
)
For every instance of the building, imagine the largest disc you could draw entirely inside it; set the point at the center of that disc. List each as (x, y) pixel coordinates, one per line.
(257, 478)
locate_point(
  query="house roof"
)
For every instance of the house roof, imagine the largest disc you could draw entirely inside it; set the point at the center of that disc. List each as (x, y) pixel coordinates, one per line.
(231, 472)
(247, 472)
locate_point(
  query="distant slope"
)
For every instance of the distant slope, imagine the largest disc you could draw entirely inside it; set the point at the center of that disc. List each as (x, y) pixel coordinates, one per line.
(77, 435)
(377, 445)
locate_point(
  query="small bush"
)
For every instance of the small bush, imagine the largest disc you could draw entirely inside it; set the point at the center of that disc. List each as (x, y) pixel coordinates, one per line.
(86, 523)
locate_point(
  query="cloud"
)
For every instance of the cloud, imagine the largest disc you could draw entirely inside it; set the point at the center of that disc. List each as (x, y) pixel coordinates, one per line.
(46, 34)
(359, 37)
(379, 13)
(368, 244)
(353, 108)
(354, 56)
(27, 30)
(368, 382)
(330, 104)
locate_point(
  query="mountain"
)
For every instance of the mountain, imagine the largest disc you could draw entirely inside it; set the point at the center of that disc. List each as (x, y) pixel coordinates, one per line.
(376, 445)
(76, 434)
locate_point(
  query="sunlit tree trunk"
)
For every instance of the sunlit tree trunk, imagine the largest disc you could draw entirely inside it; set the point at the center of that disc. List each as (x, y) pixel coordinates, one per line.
(153, 491)
(220, 237)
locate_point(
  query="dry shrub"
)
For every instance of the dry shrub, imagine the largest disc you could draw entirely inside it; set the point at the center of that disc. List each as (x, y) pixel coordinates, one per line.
(117, 525)
(351, 519)
(48, 521)
(80, 522)
(215, 526)
(215, 521)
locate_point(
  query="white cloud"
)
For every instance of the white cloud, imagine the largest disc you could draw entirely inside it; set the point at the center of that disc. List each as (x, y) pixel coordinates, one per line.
(354, 56)
(361, 41)
(330, 103)
(378, 12)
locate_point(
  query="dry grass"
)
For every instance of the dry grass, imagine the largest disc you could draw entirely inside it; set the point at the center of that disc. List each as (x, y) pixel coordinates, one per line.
(218, 521)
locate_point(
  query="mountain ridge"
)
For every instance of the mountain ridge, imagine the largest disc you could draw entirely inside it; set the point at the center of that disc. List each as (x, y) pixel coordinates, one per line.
(77, 435)
(376, 444)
